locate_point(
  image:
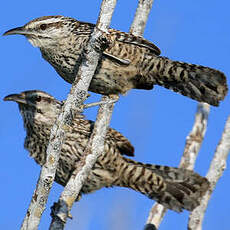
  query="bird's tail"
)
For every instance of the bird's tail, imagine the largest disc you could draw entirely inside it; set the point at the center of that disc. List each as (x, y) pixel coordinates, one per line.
(200, 83)
(175, 188)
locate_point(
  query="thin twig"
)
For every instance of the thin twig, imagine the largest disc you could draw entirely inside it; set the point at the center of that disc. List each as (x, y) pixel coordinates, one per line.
(102, 102)
(74, 100)
(192, 147)
(216, 170)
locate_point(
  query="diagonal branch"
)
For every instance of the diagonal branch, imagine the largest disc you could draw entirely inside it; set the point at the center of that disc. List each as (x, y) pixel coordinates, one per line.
(216, 170)
(137, 28)
(95, 146)
(94, 149)
(74, 100)
(191, 150)
(96, 143)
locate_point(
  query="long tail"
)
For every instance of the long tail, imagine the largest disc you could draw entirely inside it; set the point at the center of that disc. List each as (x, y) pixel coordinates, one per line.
(200, 83)
(175, 188)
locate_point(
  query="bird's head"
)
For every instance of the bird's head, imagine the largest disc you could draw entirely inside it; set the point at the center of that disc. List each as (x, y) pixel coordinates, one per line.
(36, 106)
(46, 31)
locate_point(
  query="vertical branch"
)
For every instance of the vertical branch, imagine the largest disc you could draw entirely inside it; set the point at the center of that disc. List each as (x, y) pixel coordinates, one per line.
(192, 147)
(137, 28)
(75, 98)
(216, 170)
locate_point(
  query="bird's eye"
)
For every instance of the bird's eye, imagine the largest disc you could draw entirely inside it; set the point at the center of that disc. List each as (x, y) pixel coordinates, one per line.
(35, 98)
(43, 26)
(38, 98)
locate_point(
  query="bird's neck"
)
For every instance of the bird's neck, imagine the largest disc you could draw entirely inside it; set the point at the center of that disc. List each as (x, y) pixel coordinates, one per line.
(36, 141)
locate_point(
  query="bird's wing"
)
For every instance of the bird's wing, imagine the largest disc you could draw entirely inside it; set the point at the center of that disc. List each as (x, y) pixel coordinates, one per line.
(135, 40)
(85, 128)
(84, 28)
(122, 143)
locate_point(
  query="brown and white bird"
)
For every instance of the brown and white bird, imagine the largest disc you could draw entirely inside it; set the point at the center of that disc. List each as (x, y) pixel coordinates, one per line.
(175, 188)
(130, 62)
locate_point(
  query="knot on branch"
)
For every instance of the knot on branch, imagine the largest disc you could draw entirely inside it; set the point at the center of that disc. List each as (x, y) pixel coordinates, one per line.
(101, 40)
(60, 211)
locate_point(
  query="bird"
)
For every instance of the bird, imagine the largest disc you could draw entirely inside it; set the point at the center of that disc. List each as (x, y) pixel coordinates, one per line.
(129, 61)
(175, 188)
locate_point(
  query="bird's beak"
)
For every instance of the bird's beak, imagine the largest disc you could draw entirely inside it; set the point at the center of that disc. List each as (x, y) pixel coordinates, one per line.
(19, 30)
(19, 98)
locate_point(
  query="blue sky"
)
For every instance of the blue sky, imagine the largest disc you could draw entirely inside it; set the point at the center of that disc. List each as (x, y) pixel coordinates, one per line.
(156, 122)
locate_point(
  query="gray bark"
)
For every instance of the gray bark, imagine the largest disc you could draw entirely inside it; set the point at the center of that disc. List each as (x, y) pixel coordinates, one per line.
(141, 17)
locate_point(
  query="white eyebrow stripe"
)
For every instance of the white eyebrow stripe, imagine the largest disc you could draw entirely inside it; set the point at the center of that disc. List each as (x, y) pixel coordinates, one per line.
(46, 21)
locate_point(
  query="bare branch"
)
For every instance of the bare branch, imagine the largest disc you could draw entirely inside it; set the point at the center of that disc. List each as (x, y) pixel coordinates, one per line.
(76, 97)
(192, 147)
(141, 17)
(216, 170)
(95, 146)
(156, 215)
(195, 137)
(137, 28)
(94, 149)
